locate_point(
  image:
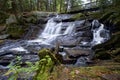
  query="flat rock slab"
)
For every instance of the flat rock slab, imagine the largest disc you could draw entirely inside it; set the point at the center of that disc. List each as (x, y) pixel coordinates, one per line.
(78, 52)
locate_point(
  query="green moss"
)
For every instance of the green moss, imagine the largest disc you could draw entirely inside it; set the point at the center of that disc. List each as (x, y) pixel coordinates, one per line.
(95, 15)
(102, 55)
(117, 58)
(106, 16)
(78, 16)
(116, 51)
(46, 64)
(25, 19)
(15, 31)
(3, 17)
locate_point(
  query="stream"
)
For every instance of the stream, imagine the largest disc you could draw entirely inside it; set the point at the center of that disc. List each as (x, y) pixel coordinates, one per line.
(76, 38)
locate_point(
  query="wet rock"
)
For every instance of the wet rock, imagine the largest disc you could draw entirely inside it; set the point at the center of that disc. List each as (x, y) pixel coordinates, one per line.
(4, 36)
(68, 20)
(81, 61)
(67, 41)
(3, 78)
(86, 39)
(30, 58)
(95, 24)
(3, 67)
(5, 53)
(41, 21)
(87, 33)
(83, 28)
(78, 52)
(52, 15)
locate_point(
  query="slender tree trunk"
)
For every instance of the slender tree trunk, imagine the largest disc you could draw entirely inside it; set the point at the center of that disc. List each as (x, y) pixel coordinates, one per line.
(54, 5)
(66, 6)
(31, 5)
(21, 7)
(46, 4)
(61, 5)
(38, 5)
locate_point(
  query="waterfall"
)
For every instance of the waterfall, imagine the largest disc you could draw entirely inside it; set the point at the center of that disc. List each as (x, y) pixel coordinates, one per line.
(100, 34)
(53, 29)
(70, 29)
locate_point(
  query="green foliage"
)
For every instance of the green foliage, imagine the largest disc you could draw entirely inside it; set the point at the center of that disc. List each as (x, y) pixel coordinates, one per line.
(43, 68)
(3, 17)
(46, 64)
(16, 70)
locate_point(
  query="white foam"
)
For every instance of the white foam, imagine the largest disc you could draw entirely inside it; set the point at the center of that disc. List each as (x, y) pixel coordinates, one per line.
(21, 49)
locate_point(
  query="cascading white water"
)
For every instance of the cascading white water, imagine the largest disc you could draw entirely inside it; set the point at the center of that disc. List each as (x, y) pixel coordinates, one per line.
(96, 35)
(53, 30)
(100, 34)
(70, 29)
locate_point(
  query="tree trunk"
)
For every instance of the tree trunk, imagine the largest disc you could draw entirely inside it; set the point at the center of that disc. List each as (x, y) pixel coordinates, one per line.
(61, 6)
(38, 5)
(54, 6)
(21, 7)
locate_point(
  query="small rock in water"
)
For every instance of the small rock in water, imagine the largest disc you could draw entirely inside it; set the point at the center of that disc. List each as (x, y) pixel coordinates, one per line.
(81, 61)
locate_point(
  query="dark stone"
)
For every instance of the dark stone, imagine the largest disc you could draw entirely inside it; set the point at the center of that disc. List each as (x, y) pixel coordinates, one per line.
(68, 20)
(51, 15)
(95, 24)
(102, 55)
(5, 53)
(77, 52)
(87, 34)
(41, 21)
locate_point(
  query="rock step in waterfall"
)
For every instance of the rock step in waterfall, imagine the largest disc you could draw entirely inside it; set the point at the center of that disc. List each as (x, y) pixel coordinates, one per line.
(76, 38)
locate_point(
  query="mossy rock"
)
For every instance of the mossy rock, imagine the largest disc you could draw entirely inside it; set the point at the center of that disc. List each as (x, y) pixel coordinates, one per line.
(102, 55)
(78, 16)
(106, 16)
(109, 49)
(23, 19)
(116, 52)
(15, 31)
(3, 17)
(116, 23)
(117, 58)
(95, 15)
(46, 64)
(42, 53)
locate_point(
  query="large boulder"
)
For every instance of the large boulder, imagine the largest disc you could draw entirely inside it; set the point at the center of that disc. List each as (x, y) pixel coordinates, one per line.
(11, 19)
